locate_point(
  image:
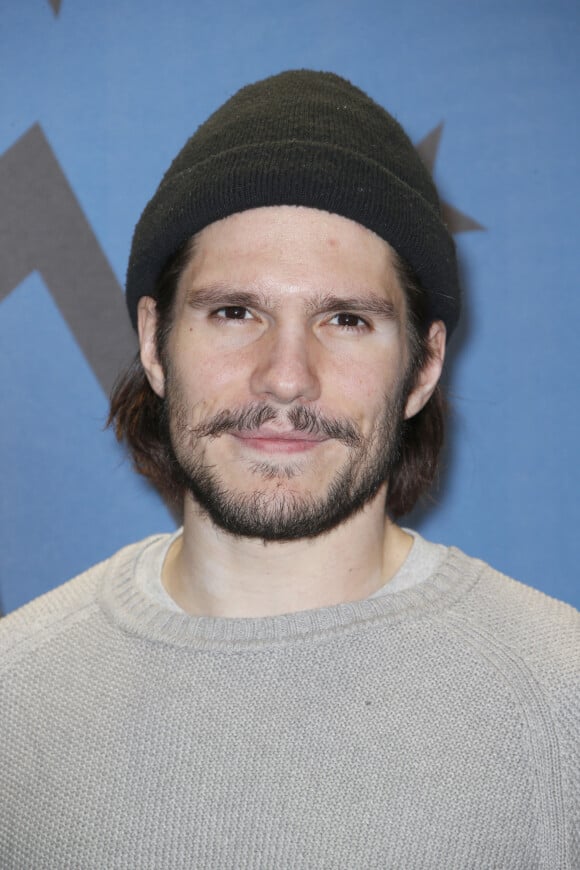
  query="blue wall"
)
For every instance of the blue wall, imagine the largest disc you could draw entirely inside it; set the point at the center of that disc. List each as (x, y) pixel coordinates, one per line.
(116, 87)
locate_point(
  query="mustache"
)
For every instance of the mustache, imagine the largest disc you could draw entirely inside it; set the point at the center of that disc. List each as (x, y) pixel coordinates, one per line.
(301, 419)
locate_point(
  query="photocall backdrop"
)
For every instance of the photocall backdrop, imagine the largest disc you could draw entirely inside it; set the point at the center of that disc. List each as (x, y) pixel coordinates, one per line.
(97, 98)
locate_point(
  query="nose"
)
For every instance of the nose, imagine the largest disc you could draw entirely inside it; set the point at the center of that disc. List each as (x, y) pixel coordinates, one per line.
(285, 368)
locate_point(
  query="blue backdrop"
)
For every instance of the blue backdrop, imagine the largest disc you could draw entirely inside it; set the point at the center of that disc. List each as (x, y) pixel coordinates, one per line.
(96, 100)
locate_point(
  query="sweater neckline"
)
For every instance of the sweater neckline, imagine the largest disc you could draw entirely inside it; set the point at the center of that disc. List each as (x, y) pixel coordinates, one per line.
(126, 604)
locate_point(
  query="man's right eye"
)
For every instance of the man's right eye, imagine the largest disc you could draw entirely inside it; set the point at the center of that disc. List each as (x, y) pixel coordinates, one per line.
(232, 312)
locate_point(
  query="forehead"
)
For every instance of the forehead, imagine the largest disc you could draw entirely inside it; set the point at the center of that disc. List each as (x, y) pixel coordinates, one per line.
(292, 251)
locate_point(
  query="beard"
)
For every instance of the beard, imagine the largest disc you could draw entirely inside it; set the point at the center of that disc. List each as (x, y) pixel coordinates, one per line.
(273, 511)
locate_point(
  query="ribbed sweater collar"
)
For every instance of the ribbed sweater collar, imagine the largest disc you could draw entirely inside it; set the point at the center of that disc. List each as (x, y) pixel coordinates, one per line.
(125, 603)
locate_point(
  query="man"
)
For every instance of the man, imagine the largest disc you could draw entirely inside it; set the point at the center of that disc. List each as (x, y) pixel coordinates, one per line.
(291, 679)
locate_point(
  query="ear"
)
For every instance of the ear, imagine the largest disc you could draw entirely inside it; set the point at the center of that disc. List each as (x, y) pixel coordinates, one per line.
(428, 377)
(147, 328)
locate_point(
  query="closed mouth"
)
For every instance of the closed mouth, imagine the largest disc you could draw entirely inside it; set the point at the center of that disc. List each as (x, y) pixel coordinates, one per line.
(275, 441)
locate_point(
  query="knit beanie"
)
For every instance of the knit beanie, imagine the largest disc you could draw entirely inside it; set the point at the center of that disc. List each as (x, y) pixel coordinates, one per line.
(301, 138)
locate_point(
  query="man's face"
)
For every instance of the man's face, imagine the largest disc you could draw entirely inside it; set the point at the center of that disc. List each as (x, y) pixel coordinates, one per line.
(284, 371)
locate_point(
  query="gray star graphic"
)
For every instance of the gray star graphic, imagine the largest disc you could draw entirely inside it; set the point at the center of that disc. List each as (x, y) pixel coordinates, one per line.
(457, 221)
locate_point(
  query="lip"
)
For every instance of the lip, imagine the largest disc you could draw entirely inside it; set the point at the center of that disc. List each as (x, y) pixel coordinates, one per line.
(273, 441)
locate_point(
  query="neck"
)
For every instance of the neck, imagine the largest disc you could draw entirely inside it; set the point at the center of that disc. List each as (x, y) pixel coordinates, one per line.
(210, 573)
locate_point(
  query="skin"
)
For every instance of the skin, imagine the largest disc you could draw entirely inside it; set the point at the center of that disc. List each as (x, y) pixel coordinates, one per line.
(285, 306)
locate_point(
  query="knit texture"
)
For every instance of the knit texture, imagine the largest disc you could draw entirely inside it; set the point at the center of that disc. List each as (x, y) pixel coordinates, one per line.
(436, 727)
(301, 138)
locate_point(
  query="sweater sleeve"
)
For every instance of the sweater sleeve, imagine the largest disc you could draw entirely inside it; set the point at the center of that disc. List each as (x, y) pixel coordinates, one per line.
(534, 641)
(555, 658)
(567, 718)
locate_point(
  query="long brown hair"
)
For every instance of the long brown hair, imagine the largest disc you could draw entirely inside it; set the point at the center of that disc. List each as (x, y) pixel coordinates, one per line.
(139, 416)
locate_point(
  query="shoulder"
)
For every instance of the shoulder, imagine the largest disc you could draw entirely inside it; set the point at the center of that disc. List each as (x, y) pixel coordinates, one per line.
(35, 624)
(518, 624)
(509, 605)
(530, 643)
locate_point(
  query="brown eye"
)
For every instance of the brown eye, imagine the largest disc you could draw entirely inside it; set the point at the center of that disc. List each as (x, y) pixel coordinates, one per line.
(233, 312)
(349, 321)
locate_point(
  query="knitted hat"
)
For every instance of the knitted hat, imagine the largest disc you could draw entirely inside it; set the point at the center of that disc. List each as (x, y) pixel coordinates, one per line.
(301, 138)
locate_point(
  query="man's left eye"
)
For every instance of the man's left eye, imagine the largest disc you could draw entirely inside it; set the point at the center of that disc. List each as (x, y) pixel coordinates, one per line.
(347, 320)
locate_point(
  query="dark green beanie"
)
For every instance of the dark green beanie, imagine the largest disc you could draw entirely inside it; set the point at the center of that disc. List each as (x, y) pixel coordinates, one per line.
(301, 138)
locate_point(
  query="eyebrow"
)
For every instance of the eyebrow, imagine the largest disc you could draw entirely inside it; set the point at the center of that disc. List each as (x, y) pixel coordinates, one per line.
(370, 304)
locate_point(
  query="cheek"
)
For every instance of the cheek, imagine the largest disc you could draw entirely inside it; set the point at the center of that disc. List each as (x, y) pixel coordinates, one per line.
(365, 382)
(206, 379)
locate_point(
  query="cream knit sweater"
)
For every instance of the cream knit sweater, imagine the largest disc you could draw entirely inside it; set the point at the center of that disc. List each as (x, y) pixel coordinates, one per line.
(435, 727)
